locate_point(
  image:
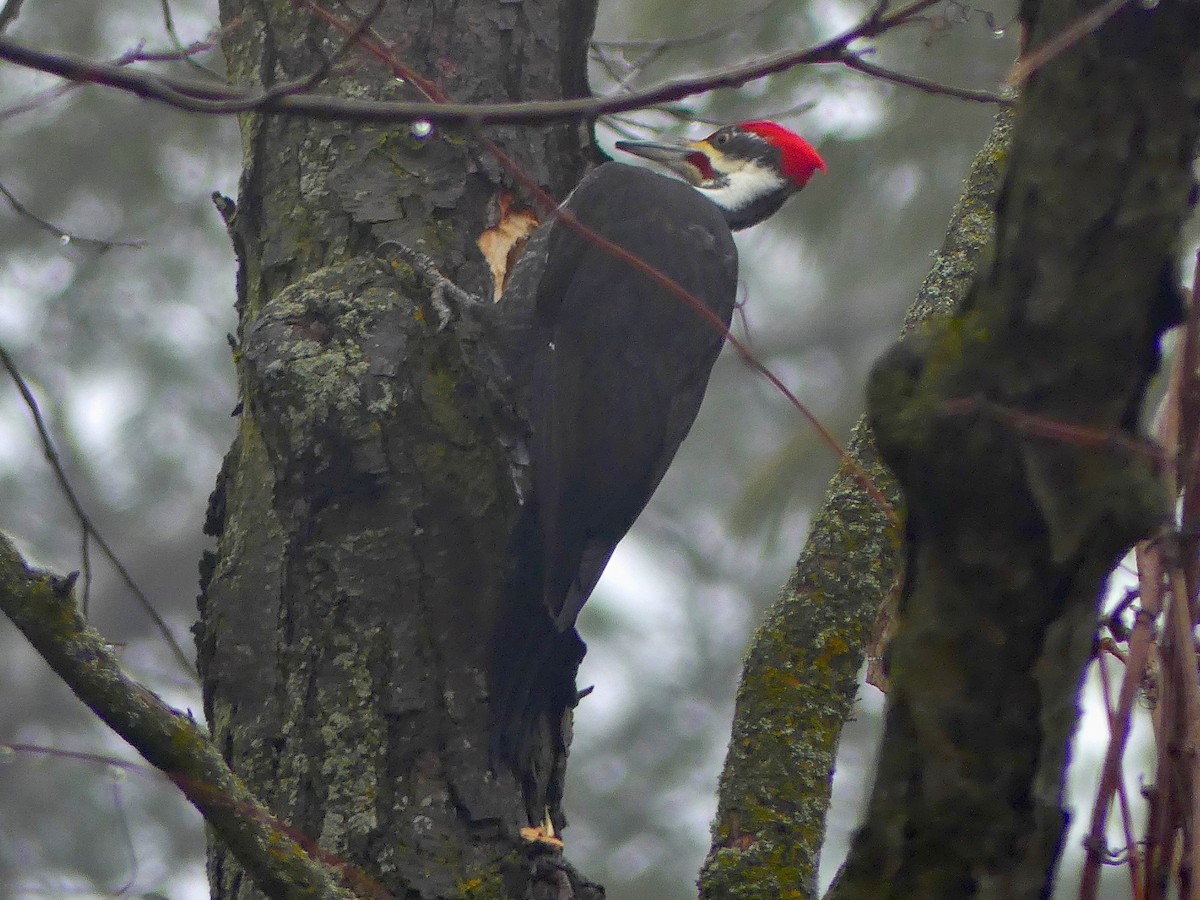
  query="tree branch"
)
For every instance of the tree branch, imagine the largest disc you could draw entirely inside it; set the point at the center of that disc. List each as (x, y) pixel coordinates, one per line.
(62, 234)
(85, 521)
(858, 64)
(291, 98)
(801, 675)
(42, 606)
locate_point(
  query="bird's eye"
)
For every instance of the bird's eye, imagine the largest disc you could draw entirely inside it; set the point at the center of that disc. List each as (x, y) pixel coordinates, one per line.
(722, 137)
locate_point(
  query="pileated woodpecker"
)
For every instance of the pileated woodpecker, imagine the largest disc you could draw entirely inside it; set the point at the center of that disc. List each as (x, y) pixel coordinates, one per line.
(613, 367)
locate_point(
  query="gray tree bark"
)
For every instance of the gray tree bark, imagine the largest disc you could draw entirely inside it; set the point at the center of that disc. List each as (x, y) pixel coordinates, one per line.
(364, 510)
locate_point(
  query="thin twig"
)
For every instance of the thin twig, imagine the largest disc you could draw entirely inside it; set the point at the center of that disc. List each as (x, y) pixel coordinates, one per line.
(1119, 722)
(64, 236)
(1175, 427)
(1114, 724)
(1058, 43)
(98, 759)
(1037, 425)
(126, 835)
(64, 485)
(1183, 650)
(321, 72)
(138, 54)
(857, 63)
(180, 49)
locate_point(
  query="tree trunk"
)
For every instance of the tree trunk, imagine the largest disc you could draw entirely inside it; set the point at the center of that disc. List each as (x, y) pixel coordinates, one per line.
(802, 672)
(364, 510)
(1011, 427)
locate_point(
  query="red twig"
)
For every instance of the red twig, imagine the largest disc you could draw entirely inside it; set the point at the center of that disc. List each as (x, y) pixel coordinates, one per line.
(1183, 655)
(1175, 800)
(1118, 728)
(1119, 724)
(1033, 60)
(1054, 429)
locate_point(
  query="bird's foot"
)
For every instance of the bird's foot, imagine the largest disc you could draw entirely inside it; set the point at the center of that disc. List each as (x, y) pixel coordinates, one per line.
(443, 292)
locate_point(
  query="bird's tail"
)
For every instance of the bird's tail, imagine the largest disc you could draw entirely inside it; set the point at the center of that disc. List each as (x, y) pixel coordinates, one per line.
(534, 664)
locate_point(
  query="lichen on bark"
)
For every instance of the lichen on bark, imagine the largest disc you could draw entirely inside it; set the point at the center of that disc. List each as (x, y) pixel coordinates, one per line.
(800, 679)
(363, 513)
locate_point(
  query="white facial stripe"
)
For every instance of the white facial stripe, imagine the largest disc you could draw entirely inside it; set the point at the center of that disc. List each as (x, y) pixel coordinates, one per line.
(744, 186)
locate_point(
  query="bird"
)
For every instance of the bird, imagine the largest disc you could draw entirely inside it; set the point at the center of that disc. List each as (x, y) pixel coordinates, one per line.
(611, 367)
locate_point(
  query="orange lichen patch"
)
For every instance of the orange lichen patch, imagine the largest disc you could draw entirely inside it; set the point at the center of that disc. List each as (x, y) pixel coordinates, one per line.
(501, 244)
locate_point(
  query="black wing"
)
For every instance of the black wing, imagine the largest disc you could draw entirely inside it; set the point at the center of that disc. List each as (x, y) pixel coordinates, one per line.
(612, 367)
(623, 366)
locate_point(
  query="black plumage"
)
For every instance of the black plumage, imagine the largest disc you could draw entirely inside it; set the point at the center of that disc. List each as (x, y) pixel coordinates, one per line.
(612, 367)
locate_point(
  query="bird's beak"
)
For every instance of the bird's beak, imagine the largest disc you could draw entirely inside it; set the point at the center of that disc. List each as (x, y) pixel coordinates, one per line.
(689, 159)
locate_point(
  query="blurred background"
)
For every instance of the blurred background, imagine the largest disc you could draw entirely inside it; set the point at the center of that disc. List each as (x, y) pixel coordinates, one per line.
(125, 350)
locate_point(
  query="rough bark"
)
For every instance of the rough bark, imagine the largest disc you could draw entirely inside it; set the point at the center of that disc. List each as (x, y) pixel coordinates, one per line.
(363, 512)
(1010, 428)
(801, 674)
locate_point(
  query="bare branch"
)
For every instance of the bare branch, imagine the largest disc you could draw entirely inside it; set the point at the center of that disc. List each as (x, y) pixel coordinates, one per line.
(180, 49)
(85, 521)
(62, 234)
(289, 98)
(43, 608)
(1119, 729)
(138, 54)
(857, 63)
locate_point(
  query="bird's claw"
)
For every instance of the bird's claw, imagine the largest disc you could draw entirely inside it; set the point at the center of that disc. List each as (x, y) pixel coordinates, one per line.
(444, 293)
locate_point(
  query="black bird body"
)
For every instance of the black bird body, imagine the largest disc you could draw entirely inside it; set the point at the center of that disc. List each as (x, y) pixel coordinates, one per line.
(623, 363)
(611, 367)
